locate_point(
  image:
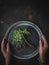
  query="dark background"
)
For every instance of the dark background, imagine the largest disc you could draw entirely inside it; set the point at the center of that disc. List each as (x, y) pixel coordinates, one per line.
(12, 11)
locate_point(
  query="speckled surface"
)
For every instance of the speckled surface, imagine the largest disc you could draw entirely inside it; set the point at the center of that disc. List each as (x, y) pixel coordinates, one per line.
(13, 12)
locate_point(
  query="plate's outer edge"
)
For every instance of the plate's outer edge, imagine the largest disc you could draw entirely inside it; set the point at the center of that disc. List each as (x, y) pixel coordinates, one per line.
(33, 25)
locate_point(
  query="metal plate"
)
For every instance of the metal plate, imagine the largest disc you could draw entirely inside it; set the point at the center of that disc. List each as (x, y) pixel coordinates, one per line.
(27, 52)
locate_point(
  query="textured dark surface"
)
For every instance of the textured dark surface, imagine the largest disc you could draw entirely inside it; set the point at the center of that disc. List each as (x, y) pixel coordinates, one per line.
(13, 11)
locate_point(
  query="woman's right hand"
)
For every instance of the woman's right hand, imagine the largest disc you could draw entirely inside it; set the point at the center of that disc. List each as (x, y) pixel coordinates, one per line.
(43, 46)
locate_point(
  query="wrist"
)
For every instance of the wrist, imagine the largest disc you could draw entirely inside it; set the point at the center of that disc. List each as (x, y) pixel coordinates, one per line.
(42, 60)
(7, 62)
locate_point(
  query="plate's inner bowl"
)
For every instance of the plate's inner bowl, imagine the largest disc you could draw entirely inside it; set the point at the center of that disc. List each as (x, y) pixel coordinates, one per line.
(32, 39)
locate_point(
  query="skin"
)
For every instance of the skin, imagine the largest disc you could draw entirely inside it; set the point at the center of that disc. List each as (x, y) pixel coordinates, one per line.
(43, 46)
(6, 52)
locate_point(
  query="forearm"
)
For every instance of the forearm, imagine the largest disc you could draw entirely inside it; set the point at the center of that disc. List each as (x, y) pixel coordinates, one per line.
(42, 61)
(7, 63)
(41, 64)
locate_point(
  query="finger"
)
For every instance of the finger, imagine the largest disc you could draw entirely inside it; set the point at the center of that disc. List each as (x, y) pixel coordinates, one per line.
(45, 41)
(40, 44)
(8, 48)
(3, 47)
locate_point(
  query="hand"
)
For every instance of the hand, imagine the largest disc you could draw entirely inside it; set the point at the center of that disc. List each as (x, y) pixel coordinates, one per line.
(43, 46)
(5, 51)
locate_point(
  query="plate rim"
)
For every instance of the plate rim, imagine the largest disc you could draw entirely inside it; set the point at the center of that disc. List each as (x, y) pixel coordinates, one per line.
(30, 23)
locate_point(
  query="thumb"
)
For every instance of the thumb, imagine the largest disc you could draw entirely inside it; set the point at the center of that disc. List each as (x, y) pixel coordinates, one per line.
(8, 48)
(40, 44)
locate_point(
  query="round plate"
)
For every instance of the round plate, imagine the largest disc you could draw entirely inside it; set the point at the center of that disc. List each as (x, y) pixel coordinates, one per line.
(36, 34)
